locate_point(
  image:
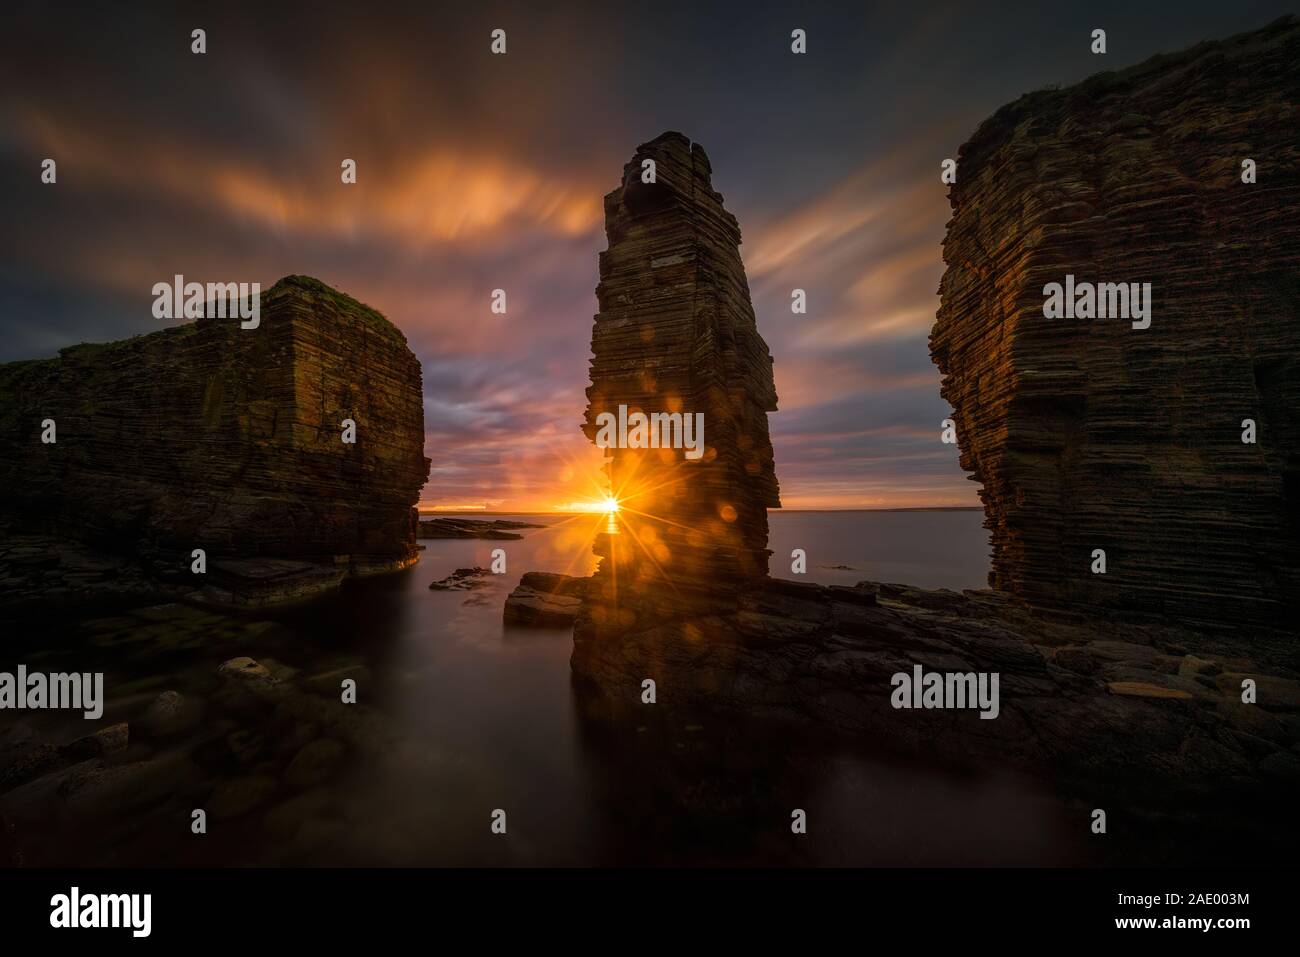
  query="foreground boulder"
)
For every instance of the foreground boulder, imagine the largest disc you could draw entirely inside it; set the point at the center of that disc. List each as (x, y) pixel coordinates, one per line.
(212, 436)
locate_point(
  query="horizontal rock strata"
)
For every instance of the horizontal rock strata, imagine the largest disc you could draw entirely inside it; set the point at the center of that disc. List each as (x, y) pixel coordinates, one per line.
(676, 333)
(211, 436)
(1089, 434)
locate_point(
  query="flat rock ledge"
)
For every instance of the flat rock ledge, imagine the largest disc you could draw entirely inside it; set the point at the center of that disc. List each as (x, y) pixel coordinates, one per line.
(472, 528)
(40, 572)
(1131, 705)
(546, 600)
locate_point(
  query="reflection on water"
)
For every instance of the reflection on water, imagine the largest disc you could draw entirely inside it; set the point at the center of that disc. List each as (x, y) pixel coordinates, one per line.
(477, 716)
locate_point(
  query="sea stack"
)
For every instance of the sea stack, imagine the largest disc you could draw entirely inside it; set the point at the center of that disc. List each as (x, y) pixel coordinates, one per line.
(676, 334)
(1175, 448)
(213, 436)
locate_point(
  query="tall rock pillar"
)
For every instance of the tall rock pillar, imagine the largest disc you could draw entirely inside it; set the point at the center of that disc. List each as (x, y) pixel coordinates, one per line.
(676, 336)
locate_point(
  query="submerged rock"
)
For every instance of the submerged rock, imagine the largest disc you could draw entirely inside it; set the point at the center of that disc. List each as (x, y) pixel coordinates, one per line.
(105, 741)
(462, 579)
(314, 764)
(171, 713)
(238, 796)
(246, 670)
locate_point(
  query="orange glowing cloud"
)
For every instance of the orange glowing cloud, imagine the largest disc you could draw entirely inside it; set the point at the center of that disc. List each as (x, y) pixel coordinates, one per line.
(443, 194)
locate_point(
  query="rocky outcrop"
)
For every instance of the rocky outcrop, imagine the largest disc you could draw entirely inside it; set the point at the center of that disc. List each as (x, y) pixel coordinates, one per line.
(676, 334)
(212, 436)
(462, 579)
(546, 600)
(1129, 712)
(1088, 433)
(498, 529)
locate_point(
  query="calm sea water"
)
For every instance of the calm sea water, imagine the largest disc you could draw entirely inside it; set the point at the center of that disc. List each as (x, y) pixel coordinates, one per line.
(485, 718)
(942, 549)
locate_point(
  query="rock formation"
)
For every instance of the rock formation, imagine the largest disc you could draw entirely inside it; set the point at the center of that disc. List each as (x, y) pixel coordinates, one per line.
(546, 600)
(676, 333)
(1085, 433)
(497, 529)
(1089, 434)
(211, 436)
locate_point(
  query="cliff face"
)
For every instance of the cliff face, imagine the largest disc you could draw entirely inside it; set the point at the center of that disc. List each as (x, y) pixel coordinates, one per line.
(212, 436)
(676, 333)
(1087, 433)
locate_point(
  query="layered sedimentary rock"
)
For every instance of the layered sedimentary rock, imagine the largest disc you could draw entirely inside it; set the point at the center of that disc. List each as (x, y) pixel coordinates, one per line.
(1087, 433)
(212, 436)
(676, 334)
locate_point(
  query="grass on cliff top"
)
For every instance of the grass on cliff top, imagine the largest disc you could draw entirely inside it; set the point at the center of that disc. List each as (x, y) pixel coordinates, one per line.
(83, 354)
(11, 373)
(341, 302)
(1160, 67)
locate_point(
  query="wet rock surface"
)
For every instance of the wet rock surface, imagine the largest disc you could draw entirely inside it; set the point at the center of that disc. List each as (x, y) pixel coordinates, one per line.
(1117, 712)
(462, 579)
(545, 600)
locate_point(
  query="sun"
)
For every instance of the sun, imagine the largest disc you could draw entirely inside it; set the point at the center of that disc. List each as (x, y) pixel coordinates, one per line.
(605, 505)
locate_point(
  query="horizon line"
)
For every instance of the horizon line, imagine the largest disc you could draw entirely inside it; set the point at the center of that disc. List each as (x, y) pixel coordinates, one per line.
(533, 511)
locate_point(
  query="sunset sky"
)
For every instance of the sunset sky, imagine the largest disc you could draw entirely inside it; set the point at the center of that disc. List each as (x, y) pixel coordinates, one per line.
(478, 171)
